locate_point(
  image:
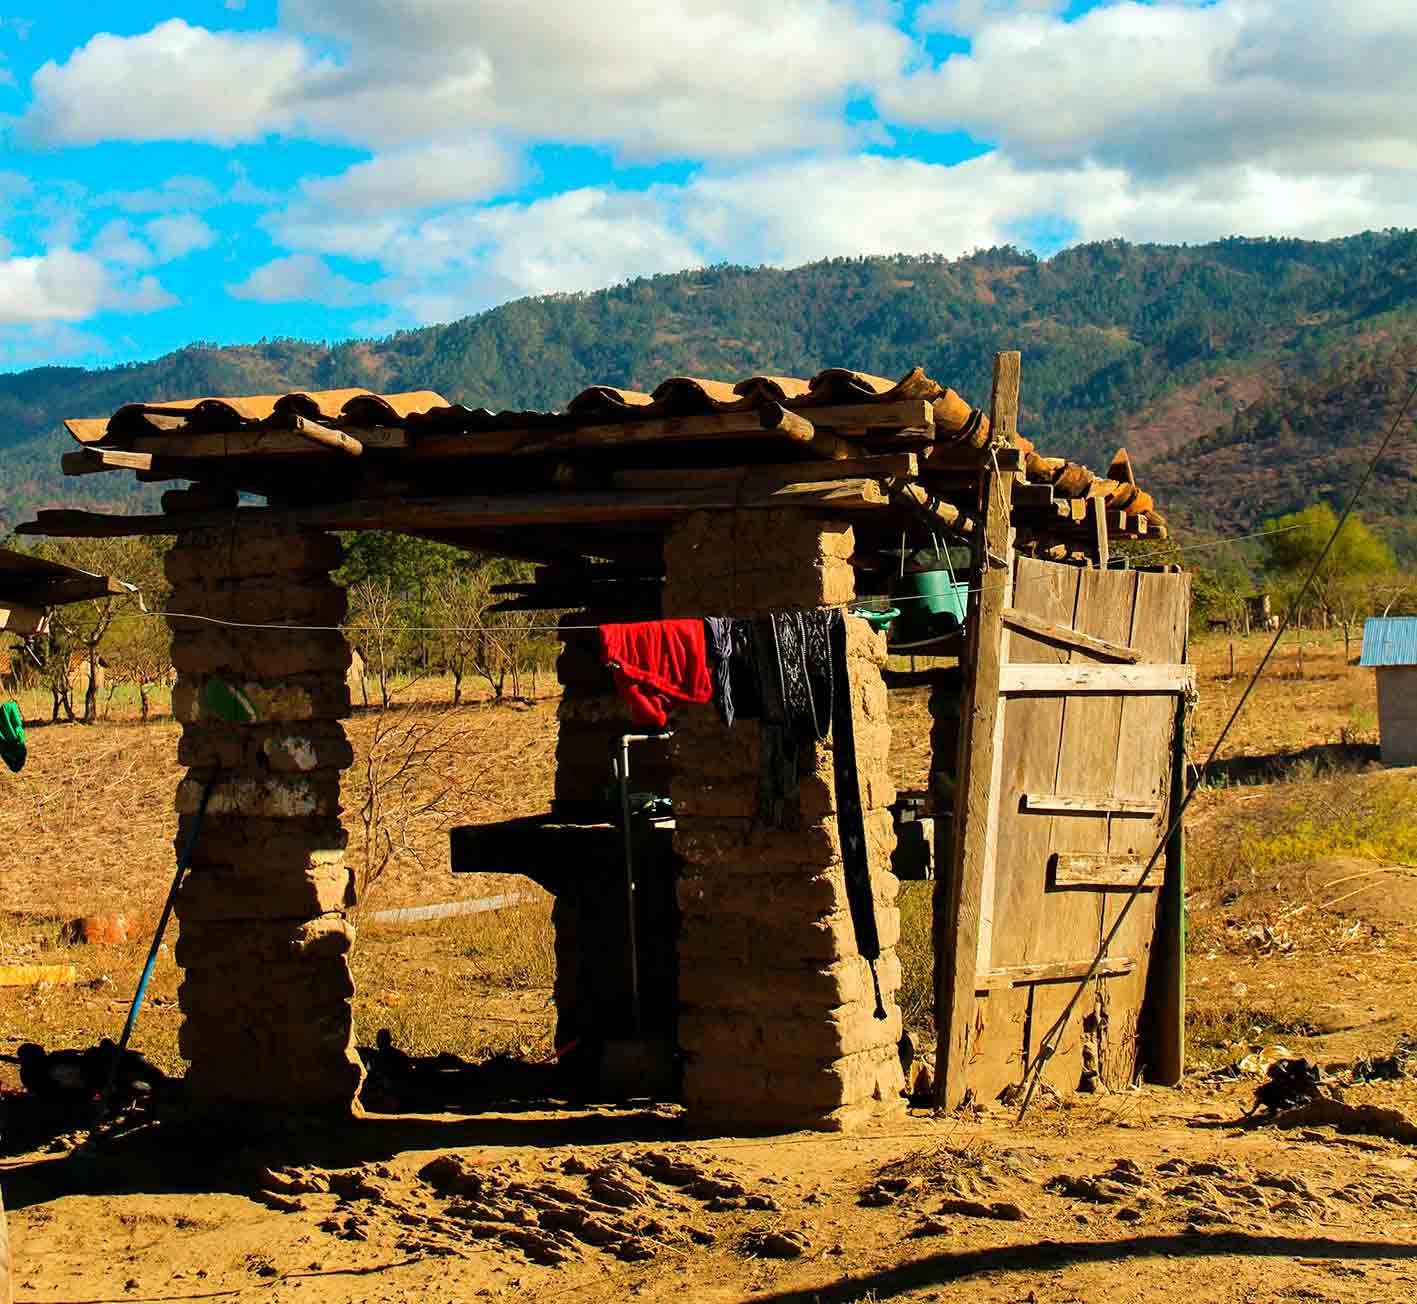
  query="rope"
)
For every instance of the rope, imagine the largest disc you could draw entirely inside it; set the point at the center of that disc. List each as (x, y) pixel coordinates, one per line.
(1048, 1045)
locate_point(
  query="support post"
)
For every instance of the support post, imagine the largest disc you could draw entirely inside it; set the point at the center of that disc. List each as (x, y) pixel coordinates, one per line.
(265, 935)
(776, 1020)
(959, 898)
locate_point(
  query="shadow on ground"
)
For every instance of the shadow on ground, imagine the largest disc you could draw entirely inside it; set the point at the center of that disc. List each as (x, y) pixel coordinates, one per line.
(1043, 1256)
(1279, 767)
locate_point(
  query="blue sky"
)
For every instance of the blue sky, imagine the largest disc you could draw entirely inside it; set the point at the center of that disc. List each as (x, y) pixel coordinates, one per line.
(231, 169)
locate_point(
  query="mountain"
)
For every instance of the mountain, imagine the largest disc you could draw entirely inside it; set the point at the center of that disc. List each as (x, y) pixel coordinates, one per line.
(1245, 376)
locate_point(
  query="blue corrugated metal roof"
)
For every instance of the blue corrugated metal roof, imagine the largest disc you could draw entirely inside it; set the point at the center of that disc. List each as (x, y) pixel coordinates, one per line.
(1389, 641)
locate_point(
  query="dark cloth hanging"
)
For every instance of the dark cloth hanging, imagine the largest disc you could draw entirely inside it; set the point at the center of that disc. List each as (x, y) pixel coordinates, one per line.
(718, 637)
(656, 663)
(790, 672)
(850, 819)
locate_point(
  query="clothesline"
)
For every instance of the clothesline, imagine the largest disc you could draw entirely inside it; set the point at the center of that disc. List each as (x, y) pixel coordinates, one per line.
(856, 604)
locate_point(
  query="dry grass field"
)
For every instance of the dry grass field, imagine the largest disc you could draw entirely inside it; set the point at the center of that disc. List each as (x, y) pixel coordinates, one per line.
(1303, 936)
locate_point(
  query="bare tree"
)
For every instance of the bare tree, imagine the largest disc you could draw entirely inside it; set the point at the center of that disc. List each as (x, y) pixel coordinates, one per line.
(374, 616)
(461, 599)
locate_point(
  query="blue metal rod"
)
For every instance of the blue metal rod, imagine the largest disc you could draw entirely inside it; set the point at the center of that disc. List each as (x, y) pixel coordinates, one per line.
(182, 862)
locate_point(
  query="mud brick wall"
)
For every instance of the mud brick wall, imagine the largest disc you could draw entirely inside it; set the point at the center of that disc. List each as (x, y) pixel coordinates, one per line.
(776, 1006)
(265, 940)
(592, 717)
(590, 720)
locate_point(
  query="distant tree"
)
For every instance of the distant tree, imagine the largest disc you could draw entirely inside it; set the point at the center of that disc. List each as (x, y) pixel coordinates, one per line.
(1343, 586)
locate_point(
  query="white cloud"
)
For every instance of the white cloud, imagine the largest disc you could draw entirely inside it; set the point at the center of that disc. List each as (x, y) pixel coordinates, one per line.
(650, 77)
(465, 259)
(175, 194)
(964, 17)
(302, 278)
(116, 243)
(425, 177)
(41, 343)
(460, 261)
(179, 234)
(1296, 86)
(63, 285)
(175, 82)
(891, 205)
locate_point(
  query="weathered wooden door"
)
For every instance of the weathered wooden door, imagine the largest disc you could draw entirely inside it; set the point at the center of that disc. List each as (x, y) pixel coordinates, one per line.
(1080, 796)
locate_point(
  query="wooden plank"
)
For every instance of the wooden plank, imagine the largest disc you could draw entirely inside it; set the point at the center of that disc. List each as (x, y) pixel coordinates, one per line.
(775, 418)
(882, 466)
(1083, 678)
(913, 417)
(327, 437)
(856, 417)
(1028, 975)
(480, 512)
(31, 975)
(947, 457)
(1099, 522)
(1069, 637)
(1091, 869)
(1023, 932)
(1143, 764)
(1053, 803)
(19, 619)
(957, 898)
(1070, 923)
(262, 443)
(1166, 996)
(940, 514)
(1033, 495)
(89, 461)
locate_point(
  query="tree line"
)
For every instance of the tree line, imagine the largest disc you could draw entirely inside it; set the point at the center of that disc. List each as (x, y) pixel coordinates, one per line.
(416, 609)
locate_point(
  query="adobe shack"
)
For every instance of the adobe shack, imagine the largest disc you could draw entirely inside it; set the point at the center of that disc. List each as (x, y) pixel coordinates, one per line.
(765, 920)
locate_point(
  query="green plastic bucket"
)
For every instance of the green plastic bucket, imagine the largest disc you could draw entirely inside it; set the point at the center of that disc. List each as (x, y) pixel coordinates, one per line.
(932, 603)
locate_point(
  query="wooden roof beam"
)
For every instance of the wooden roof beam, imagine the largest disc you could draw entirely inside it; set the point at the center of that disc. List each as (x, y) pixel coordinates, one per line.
(488, 511)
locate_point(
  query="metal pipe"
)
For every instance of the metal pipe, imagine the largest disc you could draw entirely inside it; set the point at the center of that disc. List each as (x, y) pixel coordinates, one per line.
(622, 770)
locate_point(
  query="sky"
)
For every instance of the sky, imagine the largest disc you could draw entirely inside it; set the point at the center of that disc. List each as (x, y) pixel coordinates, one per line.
(226, 170)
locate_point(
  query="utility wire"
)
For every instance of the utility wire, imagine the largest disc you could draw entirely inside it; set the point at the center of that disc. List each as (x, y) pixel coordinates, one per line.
(854, 605)
(1049, 1044)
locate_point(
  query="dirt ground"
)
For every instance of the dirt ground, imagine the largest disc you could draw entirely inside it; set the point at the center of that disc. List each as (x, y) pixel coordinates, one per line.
(1303, 940)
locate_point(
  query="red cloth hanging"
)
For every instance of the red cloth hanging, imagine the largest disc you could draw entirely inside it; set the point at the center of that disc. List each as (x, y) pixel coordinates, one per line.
(656, 663)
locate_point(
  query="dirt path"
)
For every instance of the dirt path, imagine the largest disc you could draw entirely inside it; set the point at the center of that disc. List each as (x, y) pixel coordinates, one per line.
(1128, 1197)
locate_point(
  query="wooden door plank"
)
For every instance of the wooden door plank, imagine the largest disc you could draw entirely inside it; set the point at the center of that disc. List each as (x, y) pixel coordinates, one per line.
(1082, 678)
(1094, 869)
(1030, 746)
(1144, 762)
(1072, 638)
(1028, 975)
(1053, 803)
(1070, 923)
(957, 897)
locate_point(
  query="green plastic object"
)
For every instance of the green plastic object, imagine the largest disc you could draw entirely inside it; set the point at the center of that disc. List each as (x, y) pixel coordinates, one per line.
(877, 620)
(932, 602)
(228, 703)
(12, 737)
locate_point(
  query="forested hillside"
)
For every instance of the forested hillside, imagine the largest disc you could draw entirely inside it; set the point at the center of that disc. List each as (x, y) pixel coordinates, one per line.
(1247, 375)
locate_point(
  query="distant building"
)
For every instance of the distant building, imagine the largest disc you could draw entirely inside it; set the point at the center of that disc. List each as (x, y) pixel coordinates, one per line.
(1390, 647)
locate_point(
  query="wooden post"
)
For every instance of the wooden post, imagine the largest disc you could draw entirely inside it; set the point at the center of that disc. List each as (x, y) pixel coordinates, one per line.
(1167, 1063)
(5, 1287)
(1098, 508)
(958, 898)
